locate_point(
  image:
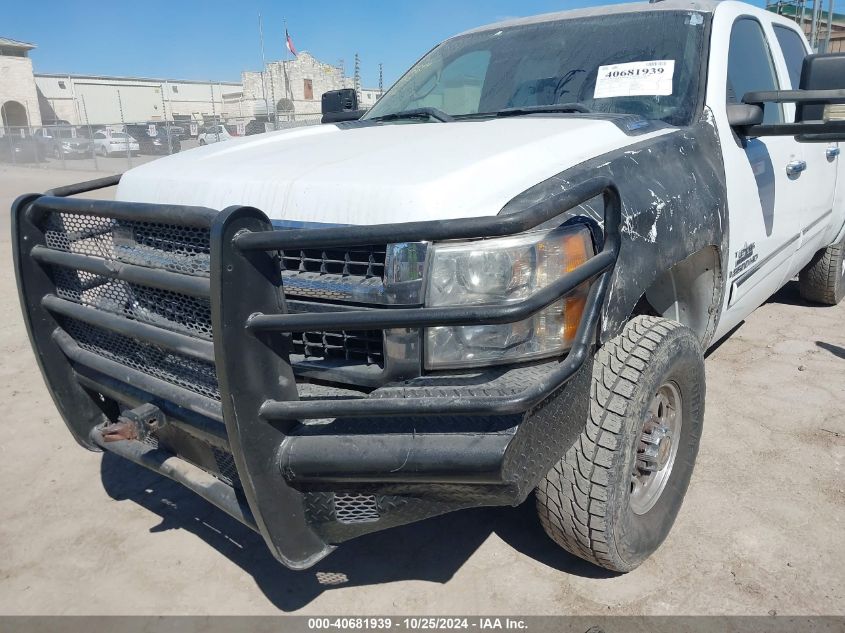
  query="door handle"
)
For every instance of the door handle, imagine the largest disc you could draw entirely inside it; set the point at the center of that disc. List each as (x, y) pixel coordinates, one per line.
(795, 167)
(832, 152)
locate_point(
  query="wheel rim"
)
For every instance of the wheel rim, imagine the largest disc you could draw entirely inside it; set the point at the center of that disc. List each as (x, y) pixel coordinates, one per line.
(656, 448)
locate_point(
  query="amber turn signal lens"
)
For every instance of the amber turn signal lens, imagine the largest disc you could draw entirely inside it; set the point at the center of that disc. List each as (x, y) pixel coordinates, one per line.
(577, 252)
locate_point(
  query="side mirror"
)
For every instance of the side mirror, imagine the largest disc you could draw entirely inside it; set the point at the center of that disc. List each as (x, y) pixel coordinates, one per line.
(821, 72)
(820, 103)
(744, 114)
(340, 105)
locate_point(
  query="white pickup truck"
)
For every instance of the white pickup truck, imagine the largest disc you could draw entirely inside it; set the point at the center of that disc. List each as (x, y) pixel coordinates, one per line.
(502, 279)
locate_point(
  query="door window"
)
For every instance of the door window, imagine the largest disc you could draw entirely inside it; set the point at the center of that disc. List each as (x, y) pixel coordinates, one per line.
(792, 45)
(750, 66)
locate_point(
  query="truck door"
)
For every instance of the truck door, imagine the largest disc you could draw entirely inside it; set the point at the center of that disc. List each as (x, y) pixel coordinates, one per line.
(765, 178)
(822, 160)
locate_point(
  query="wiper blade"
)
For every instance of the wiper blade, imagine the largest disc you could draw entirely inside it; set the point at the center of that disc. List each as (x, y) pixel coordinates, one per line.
(417, 113)
(558, 107)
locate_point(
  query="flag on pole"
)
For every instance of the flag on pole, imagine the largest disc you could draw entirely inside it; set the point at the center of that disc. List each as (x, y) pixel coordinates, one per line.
(289, 43)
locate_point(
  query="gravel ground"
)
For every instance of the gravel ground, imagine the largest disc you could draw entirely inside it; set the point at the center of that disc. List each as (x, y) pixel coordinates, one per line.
(761, 530)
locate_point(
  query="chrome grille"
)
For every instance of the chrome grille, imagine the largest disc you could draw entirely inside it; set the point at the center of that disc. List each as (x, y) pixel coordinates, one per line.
(355, 347)
(361, 261)
(336, 275)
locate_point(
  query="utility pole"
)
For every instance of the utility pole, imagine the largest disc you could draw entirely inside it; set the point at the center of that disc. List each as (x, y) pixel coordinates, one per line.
(829, 25)
(288, 88)
(263, 68)
(166, 121)
(125, 131)
(357, 78)
(817, 5)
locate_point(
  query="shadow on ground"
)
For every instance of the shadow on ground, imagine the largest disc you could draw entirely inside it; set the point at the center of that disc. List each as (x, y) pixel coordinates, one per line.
(432, 550)
(790, 295)
(836, 350)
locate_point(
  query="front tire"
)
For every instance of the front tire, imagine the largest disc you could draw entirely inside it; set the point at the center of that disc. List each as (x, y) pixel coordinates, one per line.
(823, 279)
(614, 496)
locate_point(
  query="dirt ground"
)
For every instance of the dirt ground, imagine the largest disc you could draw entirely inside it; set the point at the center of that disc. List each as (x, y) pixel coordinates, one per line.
(761, 530)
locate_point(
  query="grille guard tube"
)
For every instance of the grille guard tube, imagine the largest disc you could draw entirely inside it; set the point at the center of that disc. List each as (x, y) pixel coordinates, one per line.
(600, 266)
(486, 405)
(259, 395)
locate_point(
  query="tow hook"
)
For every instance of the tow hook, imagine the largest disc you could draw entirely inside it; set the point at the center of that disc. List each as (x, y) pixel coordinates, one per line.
(134, 424)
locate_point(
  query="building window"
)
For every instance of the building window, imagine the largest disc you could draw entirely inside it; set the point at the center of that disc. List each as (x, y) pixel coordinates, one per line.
(309, 89)
(175, 89)
(62, 85)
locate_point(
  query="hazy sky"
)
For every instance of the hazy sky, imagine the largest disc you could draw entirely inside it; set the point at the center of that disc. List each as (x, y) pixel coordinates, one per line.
(217, 40)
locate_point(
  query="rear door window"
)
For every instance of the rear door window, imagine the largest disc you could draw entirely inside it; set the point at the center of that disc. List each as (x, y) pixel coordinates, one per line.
(794, 52)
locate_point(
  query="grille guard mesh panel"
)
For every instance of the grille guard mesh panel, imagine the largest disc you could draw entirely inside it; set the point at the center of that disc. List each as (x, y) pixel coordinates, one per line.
(162, 308)
(181, 249)
(187, 373)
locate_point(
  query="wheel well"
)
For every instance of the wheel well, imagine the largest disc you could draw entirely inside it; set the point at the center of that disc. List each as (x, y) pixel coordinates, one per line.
(689, 292)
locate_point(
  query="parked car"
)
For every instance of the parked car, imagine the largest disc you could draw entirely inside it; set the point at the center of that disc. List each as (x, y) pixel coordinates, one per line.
(502, 280)
(107, 143)
(214, 134)
(63, 142)
(17, 149)
(157, 144)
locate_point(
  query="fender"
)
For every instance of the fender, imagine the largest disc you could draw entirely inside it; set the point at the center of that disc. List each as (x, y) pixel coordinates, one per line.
(674, 204)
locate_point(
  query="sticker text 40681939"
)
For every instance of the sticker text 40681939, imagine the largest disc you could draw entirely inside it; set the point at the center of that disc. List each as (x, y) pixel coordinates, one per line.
(648, 78)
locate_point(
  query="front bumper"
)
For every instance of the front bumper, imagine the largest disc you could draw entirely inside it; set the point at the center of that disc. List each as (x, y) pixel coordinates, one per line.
(307, 465)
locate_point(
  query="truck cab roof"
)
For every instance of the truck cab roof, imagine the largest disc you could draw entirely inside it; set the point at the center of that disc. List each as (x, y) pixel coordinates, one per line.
(701, 6)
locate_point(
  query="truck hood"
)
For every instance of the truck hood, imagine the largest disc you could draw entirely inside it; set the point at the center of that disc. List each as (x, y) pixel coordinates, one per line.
(380, 173)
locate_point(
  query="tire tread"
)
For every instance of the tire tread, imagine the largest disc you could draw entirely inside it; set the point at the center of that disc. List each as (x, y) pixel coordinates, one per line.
(818, 281)
(573, 513)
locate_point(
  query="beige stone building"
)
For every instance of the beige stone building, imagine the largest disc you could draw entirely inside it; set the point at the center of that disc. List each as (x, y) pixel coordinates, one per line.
(18, 93)
(296, 87)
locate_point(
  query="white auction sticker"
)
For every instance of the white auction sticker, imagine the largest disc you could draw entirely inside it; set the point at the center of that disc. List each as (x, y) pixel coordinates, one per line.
(635, 79)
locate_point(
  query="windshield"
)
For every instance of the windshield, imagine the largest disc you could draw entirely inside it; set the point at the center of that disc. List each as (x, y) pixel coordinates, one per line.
(629, 63)
(118, 135)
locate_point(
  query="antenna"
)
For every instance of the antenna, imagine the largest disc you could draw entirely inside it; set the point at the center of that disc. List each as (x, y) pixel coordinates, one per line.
(380, 79)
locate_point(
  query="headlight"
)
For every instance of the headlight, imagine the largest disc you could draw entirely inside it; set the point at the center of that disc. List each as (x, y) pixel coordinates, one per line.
(500, 271)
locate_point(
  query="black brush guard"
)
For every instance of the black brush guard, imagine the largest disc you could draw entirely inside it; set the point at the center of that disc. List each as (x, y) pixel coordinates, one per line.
(285, 471)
